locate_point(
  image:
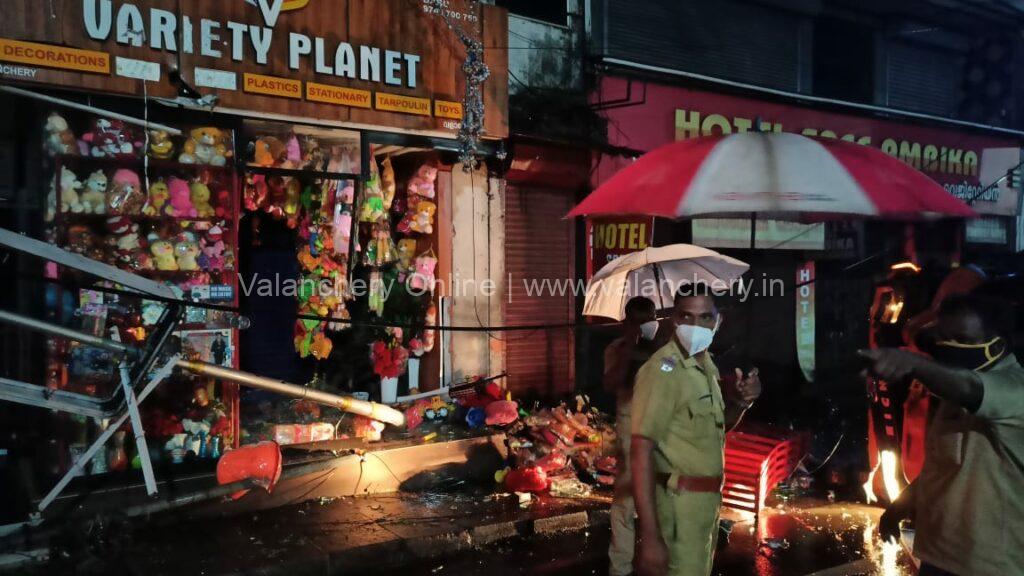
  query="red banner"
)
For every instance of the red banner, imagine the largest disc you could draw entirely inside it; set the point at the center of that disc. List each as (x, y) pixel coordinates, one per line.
(962, 162)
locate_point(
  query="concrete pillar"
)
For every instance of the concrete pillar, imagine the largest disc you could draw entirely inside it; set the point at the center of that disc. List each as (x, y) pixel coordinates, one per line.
(477, 285)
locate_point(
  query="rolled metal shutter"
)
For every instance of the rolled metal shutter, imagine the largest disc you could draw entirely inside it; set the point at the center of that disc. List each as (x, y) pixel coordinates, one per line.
(923, 79)
(723, 39)
(538, 248)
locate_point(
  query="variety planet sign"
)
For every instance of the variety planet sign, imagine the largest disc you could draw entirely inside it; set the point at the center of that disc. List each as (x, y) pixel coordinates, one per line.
(378, 62)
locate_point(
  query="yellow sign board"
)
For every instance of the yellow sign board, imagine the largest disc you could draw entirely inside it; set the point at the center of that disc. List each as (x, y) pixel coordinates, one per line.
(272, 86)
(404, 104)
(54, 56)
(337, 95)
(446, 109)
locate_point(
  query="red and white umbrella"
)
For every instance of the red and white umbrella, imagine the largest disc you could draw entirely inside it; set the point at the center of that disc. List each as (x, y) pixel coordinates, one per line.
(779, 175)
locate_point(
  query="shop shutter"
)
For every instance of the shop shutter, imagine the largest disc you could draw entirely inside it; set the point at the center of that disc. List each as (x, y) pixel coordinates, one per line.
(724, 39)
(538, 247)
(922, 78)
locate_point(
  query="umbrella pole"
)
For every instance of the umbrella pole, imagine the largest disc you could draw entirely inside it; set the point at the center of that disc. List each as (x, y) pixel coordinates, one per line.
(657, 284)
(753, 230)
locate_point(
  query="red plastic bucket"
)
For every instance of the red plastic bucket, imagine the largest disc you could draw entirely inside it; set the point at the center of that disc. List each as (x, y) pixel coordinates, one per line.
(259, 462)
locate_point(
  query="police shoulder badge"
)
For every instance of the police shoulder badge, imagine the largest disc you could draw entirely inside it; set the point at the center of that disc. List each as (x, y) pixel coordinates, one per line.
(667, 364)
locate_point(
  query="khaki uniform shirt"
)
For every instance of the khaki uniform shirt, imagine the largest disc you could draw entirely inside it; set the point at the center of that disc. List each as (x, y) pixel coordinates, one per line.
(677, 403)
(970, 494)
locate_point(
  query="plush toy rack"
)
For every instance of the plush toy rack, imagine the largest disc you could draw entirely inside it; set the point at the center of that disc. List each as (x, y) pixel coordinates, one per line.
(163, 207)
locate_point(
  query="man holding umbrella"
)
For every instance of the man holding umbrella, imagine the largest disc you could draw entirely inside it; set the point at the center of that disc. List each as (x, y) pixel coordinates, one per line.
(678, 440)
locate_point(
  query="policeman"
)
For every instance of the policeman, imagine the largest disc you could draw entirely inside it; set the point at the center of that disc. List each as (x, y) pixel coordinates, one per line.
(678, 441)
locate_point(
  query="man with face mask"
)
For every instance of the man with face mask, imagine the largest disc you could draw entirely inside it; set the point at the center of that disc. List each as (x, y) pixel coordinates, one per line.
(966, 503)
(622, 358)
(678, 438)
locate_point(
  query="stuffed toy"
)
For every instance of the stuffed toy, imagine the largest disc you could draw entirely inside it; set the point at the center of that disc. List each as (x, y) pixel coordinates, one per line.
(111, 139)
(156, 204)
(312, 154)
(344, 159)
(423, 218)
(406, 252)
(292, 201)
(422, 184)
(212, 256)
(387, 178)
(186, 251)
(59, 138)
(94, 195)
(160, 145)
(205, 145)
(69, 187)
(123, 238)
(223, 208)
(163, 254)
(199, 194)
(321, 346)
(180, 205)
(341, 229)
(80, 239)
(276, 196)
(254, 194)
(292, 153)
(267, 152)
(429, 335)
(423, 277)
(125, 195)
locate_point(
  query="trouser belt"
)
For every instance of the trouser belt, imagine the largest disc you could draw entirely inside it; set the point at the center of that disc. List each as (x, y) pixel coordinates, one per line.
(683, 483)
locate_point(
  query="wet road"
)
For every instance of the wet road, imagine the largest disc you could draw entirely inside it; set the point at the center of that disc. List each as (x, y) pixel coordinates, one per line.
(830, 540)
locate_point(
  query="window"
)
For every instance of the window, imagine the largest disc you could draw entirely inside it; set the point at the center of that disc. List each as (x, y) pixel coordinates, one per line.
(552, 11)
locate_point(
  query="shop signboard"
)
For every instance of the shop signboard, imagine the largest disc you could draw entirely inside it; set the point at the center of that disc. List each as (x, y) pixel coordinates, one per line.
(391, 63)
(805, 319)
(963, 162)
(613, 237)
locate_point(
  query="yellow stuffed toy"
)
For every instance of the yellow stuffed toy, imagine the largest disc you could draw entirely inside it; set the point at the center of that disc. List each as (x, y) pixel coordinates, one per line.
(205, 145)
(200, 196)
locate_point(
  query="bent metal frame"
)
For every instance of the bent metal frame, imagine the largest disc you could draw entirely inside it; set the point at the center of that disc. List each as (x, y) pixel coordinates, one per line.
(138, 369)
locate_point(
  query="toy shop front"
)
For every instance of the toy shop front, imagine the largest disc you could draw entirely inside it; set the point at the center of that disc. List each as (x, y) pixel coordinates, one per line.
(294, 169)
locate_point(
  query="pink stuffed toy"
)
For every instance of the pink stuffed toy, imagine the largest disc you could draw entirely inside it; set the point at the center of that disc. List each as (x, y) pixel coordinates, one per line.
(180, 205)
(423, 277)
(422, 184)
(125, 195)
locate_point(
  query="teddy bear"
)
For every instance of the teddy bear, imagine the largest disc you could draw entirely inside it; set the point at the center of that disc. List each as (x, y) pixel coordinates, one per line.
(212, 249)
(223, 207)
(94, 194)
(420, 219)
(406, 252)
(59, 138)
(111, 139)
(268, 151)
(156, 204)
(180, 203)
(80, 239)
(423, 277)
(422, 184)
(123, 238)
(186, 251)
(199, 193)
(205, 145)
(312, 154)
(163, 255)
(160, 145)
(125, 195)
(68, 188)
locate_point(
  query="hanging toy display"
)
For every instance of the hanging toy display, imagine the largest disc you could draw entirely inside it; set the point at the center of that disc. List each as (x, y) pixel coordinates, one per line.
(388, 185)
(380, 250)
(372, 208)
(376, 293)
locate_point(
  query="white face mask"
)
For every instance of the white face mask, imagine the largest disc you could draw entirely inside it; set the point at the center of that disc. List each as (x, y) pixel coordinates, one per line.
(695, 339)
(649, 329)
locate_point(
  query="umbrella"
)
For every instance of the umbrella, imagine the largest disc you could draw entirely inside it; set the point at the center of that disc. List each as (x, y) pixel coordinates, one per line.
(657, 273)
(776, 174)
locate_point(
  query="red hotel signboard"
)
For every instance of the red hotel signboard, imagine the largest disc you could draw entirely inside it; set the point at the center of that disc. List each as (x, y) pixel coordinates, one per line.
(962, 161)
